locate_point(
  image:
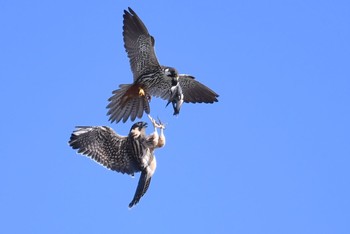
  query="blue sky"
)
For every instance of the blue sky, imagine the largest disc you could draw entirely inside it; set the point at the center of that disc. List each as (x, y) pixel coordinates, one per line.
(272, 156)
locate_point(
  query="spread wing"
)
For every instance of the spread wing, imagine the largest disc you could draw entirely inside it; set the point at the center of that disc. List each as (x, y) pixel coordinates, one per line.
(139, 45)
(193, 90)
(196, 92)
(106, 147)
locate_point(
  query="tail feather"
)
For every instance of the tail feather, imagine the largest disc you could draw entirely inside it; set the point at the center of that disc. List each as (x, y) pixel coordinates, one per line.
(134, 110)
(142, 187)
(138, 107)
(127, 103)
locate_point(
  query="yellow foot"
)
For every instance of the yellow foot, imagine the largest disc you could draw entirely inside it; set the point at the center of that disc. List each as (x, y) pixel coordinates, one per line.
(141, 92)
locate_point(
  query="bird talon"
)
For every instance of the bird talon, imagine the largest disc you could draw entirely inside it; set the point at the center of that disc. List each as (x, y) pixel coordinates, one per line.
(156, 124)
(141, 92)
(160, 124)
(153, 121)
(150, 118)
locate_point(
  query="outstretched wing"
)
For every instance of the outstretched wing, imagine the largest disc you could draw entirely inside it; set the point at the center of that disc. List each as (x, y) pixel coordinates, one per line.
(139, 45)
(196, 92)
(193, 90)
(106, 147)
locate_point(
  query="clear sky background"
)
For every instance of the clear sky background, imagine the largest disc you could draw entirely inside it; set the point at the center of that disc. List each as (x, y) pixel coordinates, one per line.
(272, 156)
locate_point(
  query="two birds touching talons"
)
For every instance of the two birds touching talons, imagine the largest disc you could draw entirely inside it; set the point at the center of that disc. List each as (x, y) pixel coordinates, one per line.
(135, 152)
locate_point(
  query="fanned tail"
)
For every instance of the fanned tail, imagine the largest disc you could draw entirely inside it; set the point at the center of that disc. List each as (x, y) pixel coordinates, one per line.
(130, 100)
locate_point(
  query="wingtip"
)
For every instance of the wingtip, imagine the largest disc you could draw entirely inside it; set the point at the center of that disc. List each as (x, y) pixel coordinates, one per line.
(126, 12)
(131, 11)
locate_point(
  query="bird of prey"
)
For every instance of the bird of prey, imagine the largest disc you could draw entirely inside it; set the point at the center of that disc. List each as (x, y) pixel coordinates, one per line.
(150, 78)
(124, 154)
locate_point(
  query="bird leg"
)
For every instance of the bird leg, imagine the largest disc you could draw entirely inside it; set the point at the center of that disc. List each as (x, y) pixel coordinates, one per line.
(161, 139)
(152, 139)
(157, 140)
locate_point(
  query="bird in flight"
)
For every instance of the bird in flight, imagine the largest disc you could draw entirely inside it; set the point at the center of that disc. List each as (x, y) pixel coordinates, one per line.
(125, 154)
(150, 78)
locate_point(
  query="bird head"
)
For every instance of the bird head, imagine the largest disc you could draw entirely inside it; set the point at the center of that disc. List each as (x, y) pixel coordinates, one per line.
(138, 129)
(170, 72)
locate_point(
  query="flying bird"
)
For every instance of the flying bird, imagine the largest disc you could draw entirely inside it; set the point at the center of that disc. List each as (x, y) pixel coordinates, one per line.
(150, 78)
(125, 154)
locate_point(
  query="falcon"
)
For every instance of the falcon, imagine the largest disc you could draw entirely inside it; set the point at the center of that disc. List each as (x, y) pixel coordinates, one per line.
(125, 154)
(150, 78)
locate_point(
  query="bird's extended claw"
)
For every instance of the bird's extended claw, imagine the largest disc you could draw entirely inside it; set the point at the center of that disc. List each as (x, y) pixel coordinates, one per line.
(150, 118)
(155, 123)
(160, 124)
